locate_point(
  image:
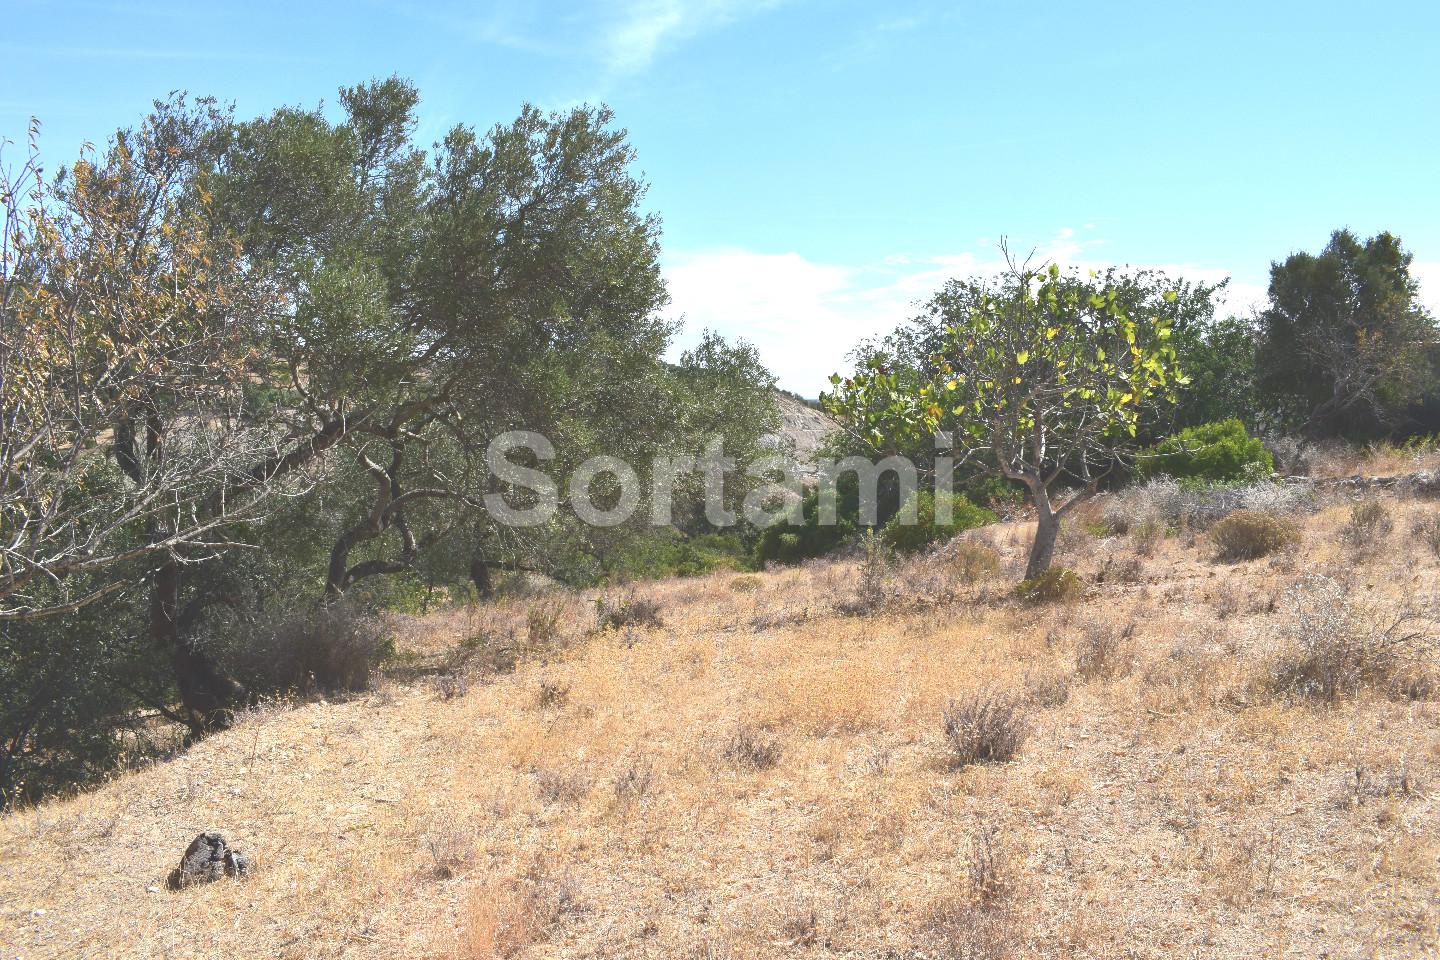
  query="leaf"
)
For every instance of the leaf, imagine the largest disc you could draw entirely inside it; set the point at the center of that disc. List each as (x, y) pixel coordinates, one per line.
(1022, 356)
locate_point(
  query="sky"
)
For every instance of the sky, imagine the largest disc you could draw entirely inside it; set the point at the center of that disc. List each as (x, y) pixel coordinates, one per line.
(819, 167)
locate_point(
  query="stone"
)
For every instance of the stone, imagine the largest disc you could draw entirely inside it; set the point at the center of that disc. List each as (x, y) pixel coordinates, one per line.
(208, 858)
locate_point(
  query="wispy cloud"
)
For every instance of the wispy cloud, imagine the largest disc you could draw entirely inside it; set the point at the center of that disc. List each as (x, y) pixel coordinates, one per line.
(640, 28)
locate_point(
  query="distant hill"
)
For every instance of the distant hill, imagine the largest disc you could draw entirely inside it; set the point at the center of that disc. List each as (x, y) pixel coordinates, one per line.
(805, 427)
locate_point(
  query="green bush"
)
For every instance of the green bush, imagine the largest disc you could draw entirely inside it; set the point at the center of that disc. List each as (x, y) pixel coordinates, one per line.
(1210, 453)
(1250, 534)
(1053, 586)
(668, 554)
(787, 543)
(908, 537)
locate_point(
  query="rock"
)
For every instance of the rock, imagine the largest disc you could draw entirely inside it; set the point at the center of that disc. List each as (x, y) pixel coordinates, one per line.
(208, 858)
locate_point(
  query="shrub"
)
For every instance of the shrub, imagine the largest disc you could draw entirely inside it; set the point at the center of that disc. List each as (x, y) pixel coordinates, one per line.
(747, 583)
(1427, 531)
(984, 728)
(1103, 653)
(1053, 586)
(1211, 452)
(748, 747)
(1339, 647)
(1369, 524)
(628, 610)
(905, 537)
(665, 553)
(1250, 534)
(331, 648)
(787, 543)
(973, 562)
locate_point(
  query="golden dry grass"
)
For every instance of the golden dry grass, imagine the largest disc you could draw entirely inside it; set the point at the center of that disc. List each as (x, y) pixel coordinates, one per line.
(586, 804)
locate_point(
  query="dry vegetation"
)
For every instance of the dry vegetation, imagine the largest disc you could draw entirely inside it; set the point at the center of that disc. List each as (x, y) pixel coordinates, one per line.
(1191, 758)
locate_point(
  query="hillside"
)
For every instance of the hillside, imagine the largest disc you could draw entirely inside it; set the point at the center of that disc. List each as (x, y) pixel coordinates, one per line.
(804, 429)
(764, 773)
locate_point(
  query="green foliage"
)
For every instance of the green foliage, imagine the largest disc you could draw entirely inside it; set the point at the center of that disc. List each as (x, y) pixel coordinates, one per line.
(1219, 358)
(74, 693)
(1054, 585)
(1345, 342)
(669, 554)
(1049, 374)
(787, 543)
(1251, 534)
(1212, 452)
(903, 537)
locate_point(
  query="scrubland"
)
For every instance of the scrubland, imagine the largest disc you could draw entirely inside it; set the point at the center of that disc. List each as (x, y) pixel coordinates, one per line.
(1187, 757)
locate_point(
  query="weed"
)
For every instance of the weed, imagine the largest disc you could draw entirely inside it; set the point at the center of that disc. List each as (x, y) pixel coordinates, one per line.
(629, 610)
(1251, 534)
(1339, 646)
(984, 728)
(1102, 652)
(748, 747)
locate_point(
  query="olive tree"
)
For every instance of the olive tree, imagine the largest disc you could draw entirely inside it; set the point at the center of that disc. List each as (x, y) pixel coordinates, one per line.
(1042, 375)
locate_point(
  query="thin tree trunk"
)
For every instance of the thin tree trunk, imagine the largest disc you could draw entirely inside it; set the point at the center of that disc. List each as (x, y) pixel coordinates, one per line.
(209, 697)
(1047, 528)
(480, 576)
(1042, 551)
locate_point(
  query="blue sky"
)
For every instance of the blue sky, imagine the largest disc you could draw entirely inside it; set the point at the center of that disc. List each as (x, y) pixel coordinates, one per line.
(821, 166)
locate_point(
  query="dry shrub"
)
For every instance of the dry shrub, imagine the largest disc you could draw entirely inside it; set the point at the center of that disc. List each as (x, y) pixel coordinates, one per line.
(555, 786)
(1104, 652)
(1338, 647)
(551, 694)
(981, 923)
(332, 648)
(873, 588)
(1056, 585)
(635, 783)
(971, 561)
(1244, 869)
(1366, 785)
(749, 747)
(799, 926)
(1147, 536)
(1426, 530)
(450, 842)
(1126, 569)
(506, 919)
(452, 685)
(747, 583)
(542, 622)
(984, 728)
(629, 610)
(1047, 689)
(1250, 534)
(1369, 525)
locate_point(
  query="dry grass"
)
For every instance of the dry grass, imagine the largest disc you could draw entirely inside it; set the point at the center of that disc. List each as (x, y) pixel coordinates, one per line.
(1168, 805)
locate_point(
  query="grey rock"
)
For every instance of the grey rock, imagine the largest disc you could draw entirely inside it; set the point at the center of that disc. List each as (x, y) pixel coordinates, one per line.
(208, 858)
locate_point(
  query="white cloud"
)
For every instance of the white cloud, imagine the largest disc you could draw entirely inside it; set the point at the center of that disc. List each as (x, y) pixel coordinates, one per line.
(806, 316)
(1428, 273)
(633, 38)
